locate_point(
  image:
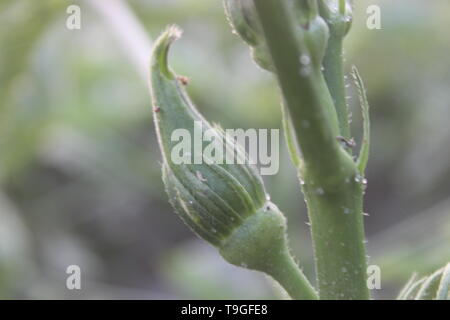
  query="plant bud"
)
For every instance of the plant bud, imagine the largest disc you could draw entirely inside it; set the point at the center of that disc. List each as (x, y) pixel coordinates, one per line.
(243, 18)
(225, 204)
(316, 38)
(338, 16)
(311, 28)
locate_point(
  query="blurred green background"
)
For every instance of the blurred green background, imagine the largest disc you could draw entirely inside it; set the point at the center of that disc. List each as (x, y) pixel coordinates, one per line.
(80, 168)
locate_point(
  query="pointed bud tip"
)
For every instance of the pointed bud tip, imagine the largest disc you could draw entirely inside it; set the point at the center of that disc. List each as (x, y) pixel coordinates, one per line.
(173, 32)
(161, 49)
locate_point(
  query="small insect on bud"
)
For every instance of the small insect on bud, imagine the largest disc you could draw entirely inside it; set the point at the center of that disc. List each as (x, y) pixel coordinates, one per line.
(225, 204)
(184, 80)
(348, 143)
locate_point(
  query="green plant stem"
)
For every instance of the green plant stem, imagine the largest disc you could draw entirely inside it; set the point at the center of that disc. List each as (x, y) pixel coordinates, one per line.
(306, 97)
(287, 273)
(332, 186)
(257, 245)
(334, 76)
(339, 250)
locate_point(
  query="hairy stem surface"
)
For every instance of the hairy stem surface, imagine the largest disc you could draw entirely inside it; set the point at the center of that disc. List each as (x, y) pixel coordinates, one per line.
(333, 187)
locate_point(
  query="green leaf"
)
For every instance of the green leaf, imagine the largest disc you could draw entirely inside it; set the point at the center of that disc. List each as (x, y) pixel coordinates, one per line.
(435, 286)
(444, 285)
(404, 291)
(365, 145)
(429, 287)
(291, 140)
(411, 289)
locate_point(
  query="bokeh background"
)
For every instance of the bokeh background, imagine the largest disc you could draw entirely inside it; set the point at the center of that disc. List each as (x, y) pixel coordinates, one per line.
(80, 168)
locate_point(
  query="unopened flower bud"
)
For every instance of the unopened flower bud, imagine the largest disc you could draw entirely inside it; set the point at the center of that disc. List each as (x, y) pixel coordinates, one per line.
(225, 204)
(311, 27)
(338, 16)
(316, 38)
(243, 18)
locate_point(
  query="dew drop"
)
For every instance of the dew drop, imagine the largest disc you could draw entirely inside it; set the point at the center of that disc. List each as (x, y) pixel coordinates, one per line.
(358, 178)
(305, 59)
(305, 71)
